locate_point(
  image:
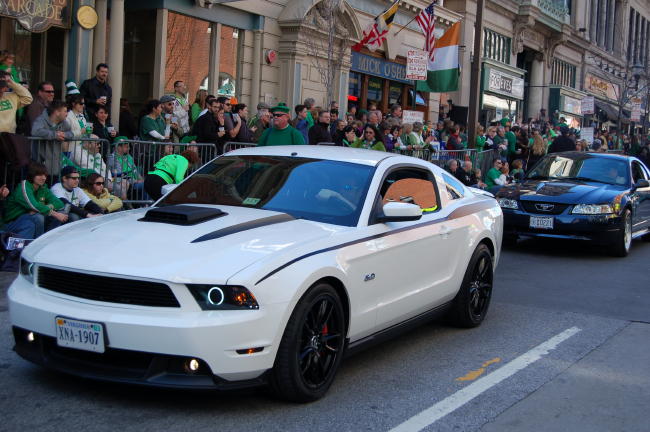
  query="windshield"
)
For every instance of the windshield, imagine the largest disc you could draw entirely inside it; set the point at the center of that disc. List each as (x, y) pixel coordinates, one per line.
(313, 189)
(588, 168)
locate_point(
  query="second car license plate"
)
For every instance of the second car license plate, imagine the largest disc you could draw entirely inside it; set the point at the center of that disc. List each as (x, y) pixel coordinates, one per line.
(77, 334)
(541, 222)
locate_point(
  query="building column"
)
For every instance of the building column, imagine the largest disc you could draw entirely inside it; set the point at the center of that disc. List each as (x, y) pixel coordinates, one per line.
(116, 56)
(611, 20)
(536, 89)
(593, 9)
(160, 54)
(99, 33)
(215, 58)
(257, 65)
(461, 97)
(601, 22)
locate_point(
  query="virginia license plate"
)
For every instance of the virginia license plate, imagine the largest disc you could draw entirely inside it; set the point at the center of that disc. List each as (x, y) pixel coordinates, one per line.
(541, 222)
(83, 335)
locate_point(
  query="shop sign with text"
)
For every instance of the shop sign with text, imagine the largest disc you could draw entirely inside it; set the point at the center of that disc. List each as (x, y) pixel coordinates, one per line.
(602, 88)
(378, 67)
(571, 105)
(38, 16)
(505, 84)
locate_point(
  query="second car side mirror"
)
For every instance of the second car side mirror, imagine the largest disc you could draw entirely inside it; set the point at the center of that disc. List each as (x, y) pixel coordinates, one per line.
(641, 184)
(400, 212)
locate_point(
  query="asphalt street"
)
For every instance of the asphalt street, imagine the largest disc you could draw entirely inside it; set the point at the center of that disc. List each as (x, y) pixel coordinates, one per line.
(564, 347)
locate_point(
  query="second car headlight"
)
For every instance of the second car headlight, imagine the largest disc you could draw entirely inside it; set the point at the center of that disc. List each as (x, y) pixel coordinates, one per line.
(592, 209)
(508, 203)
(27, 270)
(223, 297)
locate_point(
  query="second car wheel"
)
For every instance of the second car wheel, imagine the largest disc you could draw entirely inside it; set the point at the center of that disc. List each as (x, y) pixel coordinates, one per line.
(623, 243)
(473, 299)
(311, 348)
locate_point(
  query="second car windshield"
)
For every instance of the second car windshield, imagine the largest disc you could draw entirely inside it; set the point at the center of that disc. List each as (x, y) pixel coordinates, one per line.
(598, 169)
(313, 189)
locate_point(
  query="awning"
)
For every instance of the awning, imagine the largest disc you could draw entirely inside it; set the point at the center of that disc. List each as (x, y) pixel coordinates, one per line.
(611, 111)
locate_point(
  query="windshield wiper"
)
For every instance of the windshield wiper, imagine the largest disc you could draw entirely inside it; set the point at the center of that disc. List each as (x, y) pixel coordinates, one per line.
(586, 179)
(537, 177)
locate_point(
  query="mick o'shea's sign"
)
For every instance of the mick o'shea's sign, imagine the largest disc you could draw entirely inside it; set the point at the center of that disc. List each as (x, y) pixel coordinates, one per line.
(38, 15)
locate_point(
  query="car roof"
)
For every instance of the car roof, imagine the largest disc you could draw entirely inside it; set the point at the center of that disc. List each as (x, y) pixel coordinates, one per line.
(335, 153)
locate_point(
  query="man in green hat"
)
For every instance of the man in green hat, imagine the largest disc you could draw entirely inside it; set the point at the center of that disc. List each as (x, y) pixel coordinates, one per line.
(282, 133)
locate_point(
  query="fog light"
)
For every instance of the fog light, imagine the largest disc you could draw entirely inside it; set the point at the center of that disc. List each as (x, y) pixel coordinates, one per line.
(193, 365)
(30, 337)
(249, 350)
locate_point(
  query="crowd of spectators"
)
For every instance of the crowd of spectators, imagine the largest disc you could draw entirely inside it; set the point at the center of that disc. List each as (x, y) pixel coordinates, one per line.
(71, 131)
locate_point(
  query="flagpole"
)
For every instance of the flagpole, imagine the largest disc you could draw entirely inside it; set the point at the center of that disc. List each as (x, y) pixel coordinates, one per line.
(435, 3)
(474, 84)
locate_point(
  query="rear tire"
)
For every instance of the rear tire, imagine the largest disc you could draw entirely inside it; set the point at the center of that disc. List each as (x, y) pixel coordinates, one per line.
(621, 247)
(471, 304)
(312, 347)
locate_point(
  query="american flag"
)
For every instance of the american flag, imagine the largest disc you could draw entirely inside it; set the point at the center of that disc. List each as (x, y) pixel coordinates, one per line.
(427, 22)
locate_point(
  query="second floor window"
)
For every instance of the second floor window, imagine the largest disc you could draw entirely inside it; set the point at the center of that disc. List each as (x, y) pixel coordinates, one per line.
(496, 46)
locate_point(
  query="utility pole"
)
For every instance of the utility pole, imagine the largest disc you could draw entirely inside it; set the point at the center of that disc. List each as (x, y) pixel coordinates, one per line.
(475, 77)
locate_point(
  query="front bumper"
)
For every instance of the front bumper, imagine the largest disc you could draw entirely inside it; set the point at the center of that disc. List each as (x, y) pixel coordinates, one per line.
(601, 229)
(148, 345)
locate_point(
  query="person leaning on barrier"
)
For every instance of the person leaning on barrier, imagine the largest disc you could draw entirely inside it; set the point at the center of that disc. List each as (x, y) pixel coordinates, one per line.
(370, 139)
(88, 158)
(100, 195)
(32, 208)
(78, 204)
(152, 125)
(168, 170)
(124, 170)
(53, 128)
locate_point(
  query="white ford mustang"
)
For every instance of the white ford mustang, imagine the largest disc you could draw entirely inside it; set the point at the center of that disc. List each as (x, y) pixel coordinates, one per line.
(264, 266)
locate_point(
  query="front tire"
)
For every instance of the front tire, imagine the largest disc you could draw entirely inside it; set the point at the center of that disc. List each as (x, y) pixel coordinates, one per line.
(312, 347)
(623, 243)
(471, 304)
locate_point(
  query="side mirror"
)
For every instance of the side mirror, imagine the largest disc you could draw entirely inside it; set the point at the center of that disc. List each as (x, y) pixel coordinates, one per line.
(400, 212)
(641, 184)
(168, 188)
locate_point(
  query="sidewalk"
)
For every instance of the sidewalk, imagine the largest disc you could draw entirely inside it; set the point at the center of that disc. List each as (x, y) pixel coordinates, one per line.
(608, 390)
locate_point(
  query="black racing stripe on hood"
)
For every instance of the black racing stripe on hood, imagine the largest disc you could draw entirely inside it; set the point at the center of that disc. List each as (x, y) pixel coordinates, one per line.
(257, 223)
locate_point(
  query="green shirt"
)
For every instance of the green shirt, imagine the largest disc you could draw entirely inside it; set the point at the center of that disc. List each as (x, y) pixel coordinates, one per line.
(492, 175)
(25, 199)
(171, 168)
(147, 124)
(512, 142)
(287, 136)
(480, 143)
(195, 110)
(375, 145)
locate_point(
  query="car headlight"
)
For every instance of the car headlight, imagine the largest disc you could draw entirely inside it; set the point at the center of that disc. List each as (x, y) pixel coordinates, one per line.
(508, 203)
(27, 269)
(592, 209)
(223, 297)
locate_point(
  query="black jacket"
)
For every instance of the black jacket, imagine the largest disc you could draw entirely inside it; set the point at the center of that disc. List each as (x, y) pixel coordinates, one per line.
(320, 132)
(91, 90)
(90, 207)
(561, 144)
(206, 129)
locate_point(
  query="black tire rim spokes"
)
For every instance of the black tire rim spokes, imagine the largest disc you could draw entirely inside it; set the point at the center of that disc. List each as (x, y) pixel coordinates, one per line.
(480, 288)
(320, 342)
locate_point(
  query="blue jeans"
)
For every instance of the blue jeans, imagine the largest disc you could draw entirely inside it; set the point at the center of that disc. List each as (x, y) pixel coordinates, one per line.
(30, 226)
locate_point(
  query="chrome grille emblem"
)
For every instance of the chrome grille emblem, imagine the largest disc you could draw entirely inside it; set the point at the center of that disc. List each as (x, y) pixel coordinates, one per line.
(544, 207)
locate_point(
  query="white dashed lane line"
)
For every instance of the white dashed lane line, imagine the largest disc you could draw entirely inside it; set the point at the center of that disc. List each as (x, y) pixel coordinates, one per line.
(461, 397)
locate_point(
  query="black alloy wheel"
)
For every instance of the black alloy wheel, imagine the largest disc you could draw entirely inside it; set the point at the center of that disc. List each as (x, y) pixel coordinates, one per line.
(471, 304)
(312, 346)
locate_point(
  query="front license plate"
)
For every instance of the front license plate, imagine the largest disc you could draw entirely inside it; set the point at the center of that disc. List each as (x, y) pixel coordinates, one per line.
(83, 335)
(541, 222)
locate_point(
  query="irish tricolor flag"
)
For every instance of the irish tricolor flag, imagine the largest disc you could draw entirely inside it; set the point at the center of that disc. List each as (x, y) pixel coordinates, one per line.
(442, 74)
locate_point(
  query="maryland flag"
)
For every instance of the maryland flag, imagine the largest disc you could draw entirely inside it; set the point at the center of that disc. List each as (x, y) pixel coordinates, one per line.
(375, 34)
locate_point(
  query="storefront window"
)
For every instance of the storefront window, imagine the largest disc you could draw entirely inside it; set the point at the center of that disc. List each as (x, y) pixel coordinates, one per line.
(374, 90)
(188, 42)
(394, 93)
(354, 89)
(228, 61)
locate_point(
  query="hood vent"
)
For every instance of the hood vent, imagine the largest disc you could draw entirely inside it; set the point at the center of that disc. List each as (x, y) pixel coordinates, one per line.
(182, 215)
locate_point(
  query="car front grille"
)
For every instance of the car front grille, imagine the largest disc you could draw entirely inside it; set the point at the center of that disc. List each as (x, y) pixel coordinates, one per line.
(106, 289)
(543, 208)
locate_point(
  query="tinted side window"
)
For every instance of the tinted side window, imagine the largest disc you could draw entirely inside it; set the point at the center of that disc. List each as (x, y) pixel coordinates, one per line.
(455, 188)
(637, 172)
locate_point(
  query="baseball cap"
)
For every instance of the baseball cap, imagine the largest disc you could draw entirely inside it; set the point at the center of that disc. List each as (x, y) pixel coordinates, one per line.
(167, 98)
(263, 105)
(67, 170)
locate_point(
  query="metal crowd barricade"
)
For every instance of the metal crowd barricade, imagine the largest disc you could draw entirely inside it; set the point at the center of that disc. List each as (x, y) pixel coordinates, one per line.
(88, 155)
(484, 160)
(442, 157)
(423, 153)
(232, 145)
(131, 165)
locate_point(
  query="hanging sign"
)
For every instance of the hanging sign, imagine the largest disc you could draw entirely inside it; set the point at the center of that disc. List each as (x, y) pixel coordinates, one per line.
(587, 105)
(587, 134)
(412, 116)
(636, 110)
(38, 16)
(416, 65)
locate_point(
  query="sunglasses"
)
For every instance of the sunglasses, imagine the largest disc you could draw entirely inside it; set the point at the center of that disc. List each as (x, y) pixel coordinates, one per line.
(99, 183)
(278, 114)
